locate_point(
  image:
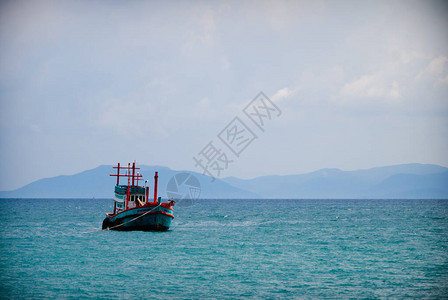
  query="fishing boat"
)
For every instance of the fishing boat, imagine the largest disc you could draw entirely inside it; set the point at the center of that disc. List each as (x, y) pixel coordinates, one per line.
(133, 209)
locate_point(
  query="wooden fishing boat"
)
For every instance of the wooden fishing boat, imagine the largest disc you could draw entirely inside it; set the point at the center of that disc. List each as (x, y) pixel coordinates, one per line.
(133, 209)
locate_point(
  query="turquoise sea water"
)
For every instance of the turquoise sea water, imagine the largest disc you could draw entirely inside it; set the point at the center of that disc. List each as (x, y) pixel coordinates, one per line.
(228, 249)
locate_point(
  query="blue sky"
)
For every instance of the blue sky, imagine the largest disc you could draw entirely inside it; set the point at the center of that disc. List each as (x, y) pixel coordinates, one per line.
(360, 84)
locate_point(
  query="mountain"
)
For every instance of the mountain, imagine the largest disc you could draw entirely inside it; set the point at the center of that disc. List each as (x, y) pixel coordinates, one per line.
(97, 183)
(399, 181)
(422, 186)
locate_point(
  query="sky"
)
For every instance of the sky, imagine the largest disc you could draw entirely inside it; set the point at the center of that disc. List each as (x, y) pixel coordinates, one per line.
(356, 84)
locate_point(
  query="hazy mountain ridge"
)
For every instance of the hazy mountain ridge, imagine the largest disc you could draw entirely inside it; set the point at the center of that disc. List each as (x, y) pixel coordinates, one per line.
(97, 183)
(400, 181)
(382, 182)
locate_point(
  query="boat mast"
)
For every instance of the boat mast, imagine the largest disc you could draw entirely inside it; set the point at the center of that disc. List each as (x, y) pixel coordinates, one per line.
(146, 191)
(155, 187)
(127, 196)
(118, 174)
(129, 175)
(133, 172)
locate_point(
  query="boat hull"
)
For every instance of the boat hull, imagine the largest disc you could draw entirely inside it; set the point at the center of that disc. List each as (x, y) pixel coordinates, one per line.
(144, 219)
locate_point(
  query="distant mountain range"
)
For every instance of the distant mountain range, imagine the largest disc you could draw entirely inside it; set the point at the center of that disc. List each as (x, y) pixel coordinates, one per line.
(408, 181)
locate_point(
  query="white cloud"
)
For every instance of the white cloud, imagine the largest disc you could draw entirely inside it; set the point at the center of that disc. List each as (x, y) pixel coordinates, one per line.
(443, 81)
(206, 18)
(178, 73)
(141, 115)
(437, 70)
(282, 94)
(369, 86)
(406, 57)
(35, 128)
(281, 14)
(225, 64)
(202, 28)
(127, 117)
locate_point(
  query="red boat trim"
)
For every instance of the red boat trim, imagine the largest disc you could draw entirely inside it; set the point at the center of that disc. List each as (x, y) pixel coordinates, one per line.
(162, 212)
(142, 213)
(155, 212)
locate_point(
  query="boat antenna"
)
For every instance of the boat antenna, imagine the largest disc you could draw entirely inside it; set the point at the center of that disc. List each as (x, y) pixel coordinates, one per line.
(146, 194)
(156, 176)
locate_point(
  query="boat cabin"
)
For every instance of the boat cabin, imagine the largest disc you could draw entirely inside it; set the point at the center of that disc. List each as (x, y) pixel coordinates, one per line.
(132, 195)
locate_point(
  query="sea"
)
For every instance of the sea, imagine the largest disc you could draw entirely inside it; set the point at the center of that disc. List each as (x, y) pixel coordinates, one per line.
(227, 249)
